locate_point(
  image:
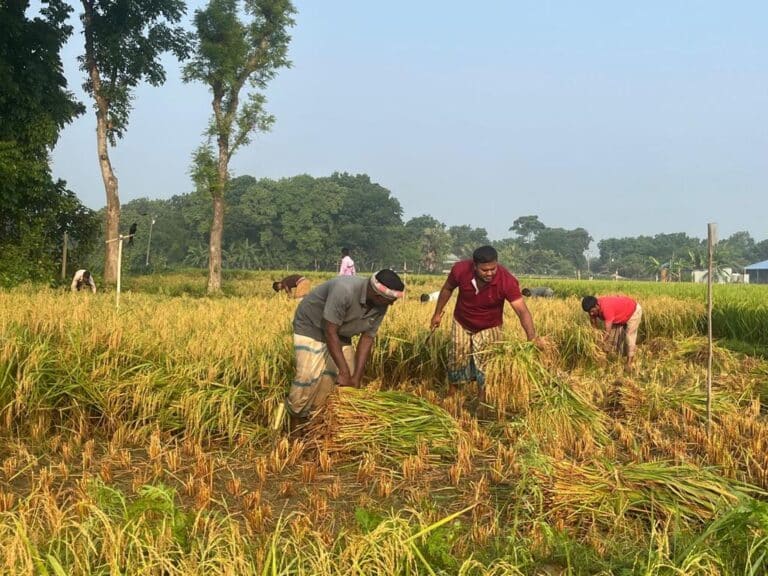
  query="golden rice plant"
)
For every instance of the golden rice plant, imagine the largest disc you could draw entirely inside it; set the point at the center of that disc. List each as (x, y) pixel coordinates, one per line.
(180, 388)
(564, 421)
(184, 364)
(514, 375)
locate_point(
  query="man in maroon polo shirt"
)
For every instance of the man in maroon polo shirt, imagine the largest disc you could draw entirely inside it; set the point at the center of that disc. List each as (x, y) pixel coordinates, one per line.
(615, 311)
(483, 286)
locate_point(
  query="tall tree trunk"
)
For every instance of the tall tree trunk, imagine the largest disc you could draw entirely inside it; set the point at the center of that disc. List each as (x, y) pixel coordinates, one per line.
(217, 226)
(112, 228)
(112, 224)
(214, 249)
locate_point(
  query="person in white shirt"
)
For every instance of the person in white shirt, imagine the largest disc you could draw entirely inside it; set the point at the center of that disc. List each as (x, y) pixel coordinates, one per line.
(431, 297)
(347, 267)
(83, 278)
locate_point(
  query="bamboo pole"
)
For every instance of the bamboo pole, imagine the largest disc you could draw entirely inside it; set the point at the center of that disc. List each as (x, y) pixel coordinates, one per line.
(119, 269)
(711, 239)
(119, 241)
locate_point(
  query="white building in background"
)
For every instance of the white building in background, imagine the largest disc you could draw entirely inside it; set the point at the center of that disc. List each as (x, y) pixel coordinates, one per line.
(450, 260)
(722, 276)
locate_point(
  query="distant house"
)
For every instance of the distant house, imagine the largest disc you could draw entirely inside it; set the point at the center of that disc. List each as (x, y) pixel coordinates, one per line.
(722, 276)
(450, 260)
(758, 273)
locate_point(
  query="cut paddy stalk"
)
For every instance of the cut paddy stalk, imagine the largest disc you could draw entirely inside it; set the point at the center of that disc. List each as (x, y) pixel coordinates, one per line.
(391, 424)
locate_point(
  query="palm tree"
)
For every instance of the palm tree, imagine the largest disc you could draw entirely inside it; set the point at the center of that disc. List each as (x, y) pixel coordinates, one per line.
(197, 256)
(243, 255)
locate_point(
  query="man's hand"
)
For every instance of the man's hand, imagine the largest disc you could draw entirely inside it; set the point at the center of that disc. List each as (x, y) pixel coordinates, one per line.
(356, 381)
(344, 379)
(541, 343)
(435, 322)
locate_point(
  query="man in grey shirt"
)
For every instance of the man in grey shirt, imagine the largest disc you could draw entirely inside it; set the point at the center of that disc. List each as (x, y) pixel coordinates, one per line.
(323, 327)
(539, 292)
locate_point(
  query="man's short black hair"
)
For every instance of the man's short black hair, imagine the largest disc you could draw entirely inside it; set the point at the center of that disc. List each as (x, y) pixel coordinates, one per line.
(424, 298)
(588, 302)
(390, 279)
(485, 254)
(86, 274)
(276, 286)
(526, 291)
(345, 251)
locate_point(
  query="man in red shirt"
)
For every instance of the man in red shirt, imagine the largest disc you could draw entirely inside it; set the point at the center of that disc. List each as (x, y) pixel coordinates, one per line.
(483, 286)
(615, 311)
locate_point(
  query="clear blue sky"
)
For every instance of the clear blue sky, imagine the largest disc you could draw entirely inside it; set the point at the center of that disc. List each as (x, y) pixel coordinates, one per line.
(623, 118)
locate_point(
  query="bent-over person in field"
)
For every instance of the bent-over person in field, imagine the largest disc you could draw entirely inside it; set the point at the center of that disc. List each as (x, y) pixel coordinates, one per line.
(294, 285)
(538, 292)
(81, 279)
(431, 297)
(323, 327)
(484, 285)
(619, 312)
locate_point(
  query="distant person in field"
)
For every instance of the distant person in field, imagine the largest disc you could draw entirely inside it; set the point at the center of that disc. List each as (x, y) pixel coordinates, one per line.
(539, 292)
(294, 285)
(431, 297)
(323, 327)
(347, 266)
(81, 279)
(615, 311)
(484, 285)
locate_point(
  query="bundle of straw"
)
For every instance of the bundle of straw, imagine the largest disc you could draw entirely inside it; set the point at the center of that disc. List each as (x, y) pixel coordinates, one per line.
(391, 424)
(607, 492)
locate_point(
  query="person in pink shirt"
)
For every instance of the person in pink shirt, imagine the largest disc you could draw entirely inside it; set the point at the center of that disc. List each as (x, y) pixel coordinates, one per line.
(347, 267)
(615, 311)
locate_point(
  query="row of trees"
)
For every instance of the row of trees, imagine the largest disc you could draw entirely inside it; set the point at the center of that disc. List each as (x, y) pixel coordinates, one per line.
(296, 223)
(235, 49)
(673, 255)
(301, 223)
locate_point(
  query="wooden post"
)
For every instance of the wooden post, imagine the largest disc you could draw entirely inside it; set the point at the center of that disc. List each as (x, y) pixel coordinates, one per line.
(64, 257)
(711, 240)
(405, 276)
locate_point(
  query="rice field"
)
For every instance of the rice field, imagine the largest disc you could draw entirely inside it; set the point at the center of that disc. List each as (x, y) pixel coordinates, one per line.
(140, 441)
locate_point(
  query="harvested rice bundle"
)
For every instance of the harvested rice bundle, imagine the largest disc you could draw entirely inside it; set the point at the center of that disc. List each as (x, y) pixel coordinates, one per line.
(563, 418)
(392, 424)
(516, 371)
(606, 492)
(694, 350)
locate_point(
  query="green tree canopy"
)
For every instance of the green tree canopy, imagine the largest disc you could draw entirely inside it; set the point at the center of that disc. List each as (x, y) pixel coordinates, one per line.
(35, 105)
(228, 53)
(124, 41)
(464, 240)
(527, 227)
